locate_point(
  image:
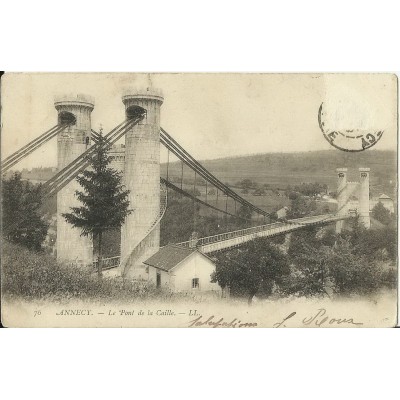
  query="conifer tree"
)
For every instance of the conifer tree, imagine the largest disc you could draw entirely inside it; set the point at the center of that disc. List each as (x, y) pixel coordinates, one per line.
(104, 201)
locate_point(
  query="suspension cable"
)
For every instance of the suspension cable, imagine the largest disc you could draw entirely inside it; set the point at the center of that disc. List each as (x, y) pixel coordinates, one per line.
(167, 164)
(20, 154)
(34, 141)
(95, 135)
(194, 206)
(169, 142)
(182, 176)
(73, 169)
(84, 164)
(193, 162)
(190, 196)
(78, 161)
(49, 189)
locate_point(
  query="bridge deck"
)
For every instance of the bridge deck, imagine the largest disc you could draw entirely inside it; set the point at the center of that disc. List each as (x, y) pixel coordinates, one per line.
(232, 239)
(226, 240)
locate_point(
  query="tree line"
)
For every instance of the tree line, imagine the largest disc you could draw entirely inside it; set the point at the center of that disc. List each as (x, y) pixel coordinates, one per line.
(317, 263)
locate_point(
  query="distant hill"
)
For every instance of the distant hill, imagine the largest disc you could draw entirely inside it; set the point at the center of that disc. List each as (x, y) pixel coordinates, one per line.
(35, 175)
(282, 169)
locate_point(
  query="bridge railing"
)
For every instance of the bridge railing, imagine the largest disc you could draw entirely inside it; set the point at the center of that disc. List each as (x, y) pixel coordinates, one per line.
(108, 263)
(230, 235)
(256, 229)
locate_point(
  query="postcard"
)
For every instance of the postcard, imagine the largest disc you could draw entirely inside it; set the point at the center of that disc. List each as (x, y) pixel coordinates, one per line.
(199, 200)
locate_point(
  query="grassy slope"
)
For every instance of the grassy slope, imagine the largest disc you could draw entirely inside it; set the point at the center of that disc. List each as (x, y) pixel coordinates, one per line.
(33, 276)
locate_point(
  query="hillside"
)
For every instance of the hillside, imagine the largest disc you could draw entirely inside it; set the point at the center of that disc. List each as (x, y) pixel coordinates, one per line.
(282, 169)
(278, 170)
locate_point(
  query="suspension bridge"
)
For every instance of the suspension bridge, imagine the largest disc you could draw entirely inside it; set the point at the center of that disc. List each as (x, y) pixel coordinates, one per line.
(77, 143)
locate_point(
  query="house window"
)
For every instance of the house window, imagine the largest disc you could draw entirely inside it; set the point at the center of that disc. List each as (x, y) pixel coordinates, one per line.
(195, 283)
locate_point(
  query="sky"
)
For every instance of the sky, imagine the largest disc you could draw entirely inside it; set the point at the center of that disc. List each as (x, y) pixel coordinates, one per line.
(210, 115)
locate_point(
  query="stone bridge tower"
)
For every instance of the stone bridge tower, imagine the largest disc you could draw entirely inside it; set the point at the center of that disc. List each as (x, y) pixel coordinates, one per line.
(341, 195)
(363, 197)
(142, 178)
(73, 141)
(345, 190)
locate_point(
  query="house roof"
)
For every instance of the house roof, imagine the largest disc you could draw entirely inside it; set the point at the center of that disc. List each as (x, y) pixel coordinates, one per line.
(384, 196)
(169, 257)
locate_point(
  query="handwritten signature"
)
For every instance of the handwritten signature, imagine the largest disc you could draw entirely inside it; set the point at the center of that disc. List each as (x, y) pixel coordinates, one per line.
(321, 318)
(220, 323)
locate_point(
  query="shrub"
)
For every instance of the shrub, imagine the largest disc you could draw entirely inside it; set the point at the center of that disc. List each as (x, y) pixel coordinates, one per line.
(382, 214)
(22, 223)
(35, 276)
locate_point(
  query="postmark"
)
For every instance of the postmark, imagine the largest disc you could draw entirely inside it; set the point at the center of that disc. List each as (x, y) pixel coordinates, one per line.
(351, 140)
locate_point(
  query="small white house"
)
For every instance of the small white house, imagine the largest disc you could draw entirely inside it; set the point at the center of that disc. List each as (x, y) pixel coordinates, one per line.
(182, 270)
(281, 213)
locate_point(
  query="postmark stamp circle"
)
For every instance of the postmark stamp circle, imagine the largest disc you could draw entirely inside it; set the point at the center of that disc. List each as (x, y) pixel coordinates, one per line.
(350, 140)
